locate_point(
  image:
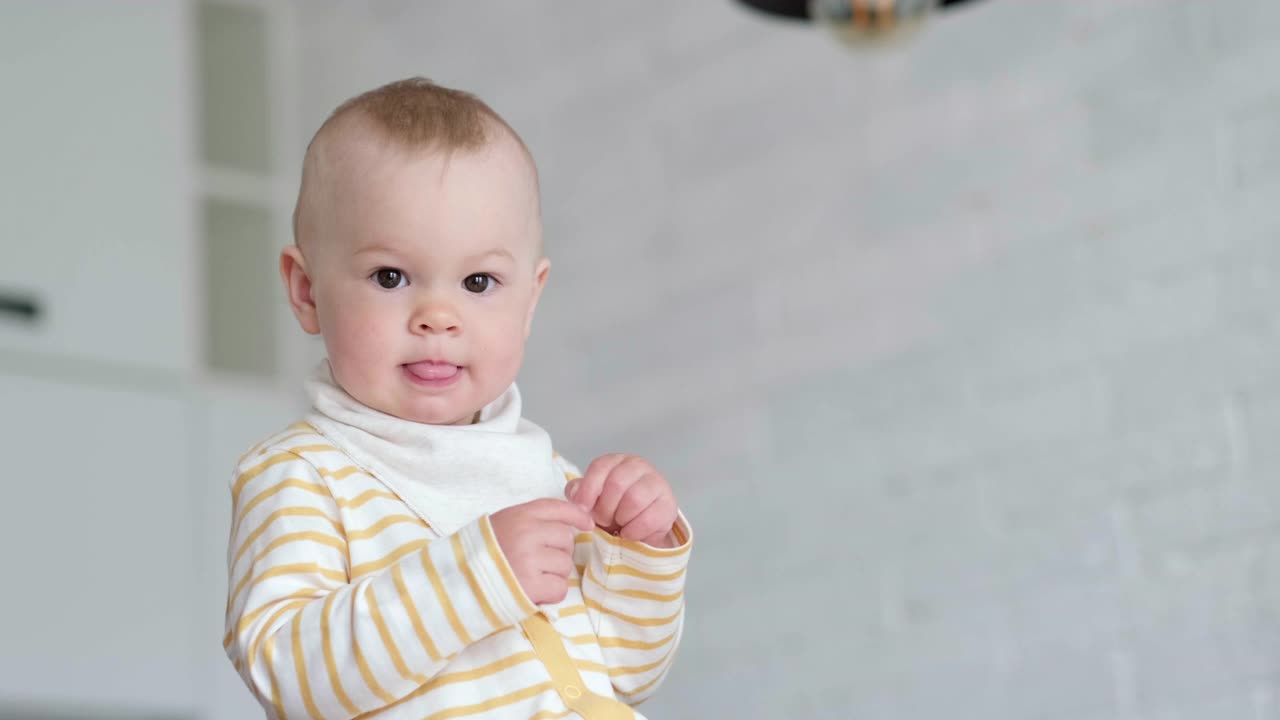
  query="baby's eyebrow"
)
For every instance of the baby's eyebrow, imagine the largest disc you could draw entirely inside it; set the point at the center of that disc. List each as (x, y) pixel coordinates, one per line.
(500, 252)
(375, 249)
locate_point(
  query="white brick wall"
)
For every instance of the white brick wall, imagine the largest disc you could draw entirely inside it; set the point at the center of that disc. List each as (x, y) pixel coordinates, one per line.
(964, 356)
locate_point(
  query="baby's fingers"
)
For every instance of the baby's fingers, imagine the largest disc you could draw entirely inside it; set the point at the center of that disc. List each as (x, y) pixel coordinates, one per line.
(637, 498)
(652, 525)
(559, 564)
(585, 491)
(559, 512)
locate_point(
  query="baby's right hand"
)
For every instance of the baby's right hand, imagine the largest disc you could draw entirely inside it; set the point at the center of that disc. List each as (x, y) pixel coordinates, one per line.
(537, 539)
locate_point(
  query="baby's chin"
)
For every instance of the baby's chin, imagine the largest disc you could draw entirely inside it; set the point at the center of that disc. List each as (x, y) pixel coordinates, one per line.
(424, 413)
(439, 410)
(461, 405)
(424, 417)
(446, 413)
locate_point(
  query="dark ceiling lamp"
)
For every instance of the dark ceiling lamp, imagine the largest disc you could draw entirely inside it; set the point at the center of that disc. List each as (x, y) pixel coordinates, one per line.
(857, 22)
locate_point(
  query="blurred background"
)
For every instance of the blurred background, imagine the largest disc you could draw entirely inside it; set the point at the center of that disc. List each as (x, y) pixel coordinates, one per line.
(962, 351)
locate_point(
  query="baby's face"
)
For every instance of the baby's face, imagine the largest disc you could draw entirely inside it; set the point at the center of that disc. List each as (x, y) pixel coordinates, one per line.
(425, 274)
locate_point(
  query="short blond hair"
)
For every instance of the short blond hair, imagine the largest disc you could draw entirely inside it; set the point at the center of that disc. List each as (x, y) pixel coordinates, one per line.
(415, 114)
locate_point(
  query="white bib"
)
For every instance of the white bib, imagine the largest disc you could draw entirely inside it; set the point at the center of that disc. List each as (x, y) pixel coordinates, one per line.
(448, 474)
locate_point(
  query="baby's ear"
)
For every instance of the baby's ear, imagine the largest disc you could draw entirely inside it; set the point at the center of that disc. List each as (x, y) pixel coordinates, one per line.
(297, 287)
(539, 282)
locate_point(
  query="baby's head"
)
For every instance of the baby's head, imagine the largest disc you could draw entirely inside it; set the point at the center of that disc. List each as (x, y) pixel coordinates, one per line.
(418, 250)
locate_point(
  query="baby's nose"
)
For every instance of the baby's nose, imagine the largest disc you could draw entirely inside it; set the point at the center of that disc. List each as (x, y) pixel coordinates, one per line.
(436, 317)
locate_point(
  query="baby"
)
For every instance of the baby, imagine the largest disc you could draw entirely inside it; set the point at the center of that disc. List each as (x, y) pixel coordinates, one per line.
(415, 548)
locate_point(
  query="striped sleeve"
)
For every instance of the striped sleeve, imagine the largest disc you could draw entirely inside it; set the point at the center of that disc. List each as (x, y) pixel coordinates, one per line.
(310, 641)
(634, 595)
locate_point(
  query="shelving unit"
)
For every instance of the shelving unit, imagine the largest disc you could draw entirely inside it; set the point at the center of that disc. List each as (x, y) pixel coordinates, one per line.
(150, 168)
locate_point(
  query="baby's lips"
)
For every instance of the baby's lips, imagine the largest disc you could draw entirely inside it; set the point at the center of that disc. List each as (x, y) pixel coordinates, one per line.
(432, 369)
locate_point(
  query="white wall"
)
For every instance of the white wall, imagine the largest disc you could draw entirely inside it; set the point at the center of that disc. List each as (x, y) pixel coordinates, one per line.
(962, 356)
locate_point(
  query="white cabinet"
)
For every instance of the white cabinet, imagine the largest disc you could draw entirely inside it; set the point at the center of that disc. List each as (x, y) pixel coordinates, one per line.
(95, 202)
(99, 579)
(121, 411)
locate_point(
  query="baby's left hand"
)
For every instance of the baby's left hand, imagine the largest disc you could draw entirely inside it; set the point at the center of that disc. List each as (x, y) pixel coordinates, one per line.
(627, 495)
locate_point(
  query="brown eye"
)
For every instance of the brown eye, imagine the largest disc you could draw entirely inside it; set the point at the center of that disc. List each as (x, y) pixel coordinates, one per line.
(389, 278)
(477, 283)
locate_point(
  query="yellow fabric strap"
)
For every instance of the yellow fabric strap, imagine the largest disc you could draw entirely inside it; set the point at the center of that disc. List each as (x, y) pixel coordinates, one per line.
(549, 647)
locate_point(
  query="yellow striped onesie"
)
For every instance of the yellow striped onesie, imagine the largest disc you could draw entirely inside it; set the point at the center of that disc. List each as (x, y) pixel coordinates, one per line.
(344, 603)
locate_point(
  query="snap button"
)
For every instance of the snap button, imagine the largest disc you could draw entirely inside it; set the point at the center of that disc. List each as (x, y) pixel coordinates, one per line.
(573, 692)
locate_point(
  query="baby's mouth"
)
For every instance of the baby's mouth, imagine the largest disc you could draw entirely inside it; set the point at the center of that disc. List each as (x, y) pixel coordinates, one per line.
(432, 370)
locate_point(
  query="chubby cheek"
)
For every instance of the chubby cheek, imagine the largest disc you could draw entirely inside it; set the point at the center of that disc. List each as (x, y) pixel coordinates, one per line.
(500, 353)
(357, 348)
